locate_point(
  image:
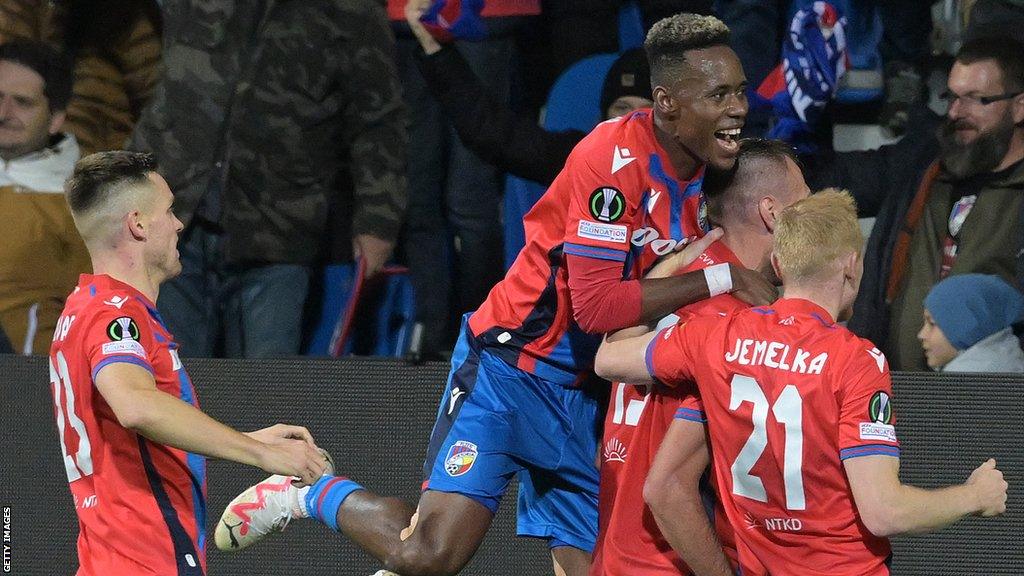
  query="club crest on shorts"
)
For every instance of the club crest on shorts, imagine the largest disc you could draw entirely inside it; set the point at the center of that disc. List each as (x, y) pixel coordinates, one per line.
(461, 457)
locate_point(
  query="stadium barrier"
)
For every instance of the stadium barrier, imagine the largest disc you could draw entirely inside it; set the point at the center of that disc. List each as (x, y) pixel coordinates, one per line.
(375, 416)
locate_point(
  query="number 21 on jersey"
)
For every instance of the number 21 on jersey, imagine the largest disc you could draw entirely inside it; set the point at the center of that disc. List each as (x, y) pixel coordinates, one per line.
(788, 411)
(79, 464)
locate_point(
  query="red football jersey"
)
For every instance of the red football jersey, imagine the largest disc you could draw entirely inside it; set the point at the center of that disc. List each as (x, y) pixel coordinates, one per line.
(628, 540)
(141, 505)
(617, 199)
(788, 396)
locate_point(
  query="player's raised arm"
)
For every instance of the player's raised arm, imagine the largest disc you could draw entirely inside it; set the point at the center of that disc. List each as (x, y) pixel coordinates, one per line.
(139, 405)
(889, 507)
(672, 491)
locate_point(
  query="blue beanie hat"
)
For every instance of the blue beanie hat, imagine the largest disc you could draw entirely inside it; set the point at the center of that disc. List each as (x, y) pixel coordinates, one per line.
(970, 307)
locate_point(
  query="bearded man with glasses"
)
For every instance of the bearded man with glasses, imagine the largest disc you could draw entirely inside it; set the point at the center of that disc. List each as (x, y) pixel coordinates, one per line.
(947, 198)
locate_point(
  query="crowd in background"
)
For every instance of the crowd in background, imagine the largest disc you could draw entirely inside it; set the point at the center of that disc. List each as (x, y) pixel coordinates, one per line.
(296, 135)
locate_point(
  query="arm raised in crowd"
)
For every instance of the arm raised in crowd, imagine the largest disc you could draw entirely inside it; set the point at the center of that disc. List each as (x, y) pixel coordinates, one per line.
(487, 126)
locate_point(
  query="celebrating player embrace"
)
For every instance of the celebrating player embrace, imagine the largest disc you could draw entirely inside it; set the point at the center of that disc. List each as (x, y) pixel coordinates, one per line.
(799, 412)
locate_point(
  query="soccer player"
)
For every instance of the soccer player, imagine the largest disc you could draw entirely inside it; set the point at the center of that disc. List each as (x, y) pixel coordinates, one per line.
(131, 434)
(520, 399)
(745, 202)
(800, 414)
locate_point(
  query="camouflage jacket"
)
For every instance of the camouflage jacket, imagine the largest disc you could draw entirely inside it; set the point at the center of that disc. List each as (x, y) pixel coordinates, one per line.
(292, 108)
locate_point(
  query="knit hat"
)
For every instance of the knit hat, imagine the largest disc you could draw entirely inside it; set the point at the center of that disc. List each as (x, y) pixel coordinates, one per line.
(629, 76)
(970, 307)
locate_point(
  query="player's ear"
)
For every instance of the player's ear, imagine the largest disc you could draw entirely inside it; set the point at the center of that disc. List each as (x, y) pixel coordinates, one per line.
(850, 267)
(767, 209)
(664, 102)
(775, 265)
(136, 227)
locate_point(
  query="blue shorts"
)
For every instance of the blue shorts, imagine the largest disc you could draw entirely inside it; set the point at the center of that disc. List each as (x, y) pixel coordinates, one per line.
(496, 421)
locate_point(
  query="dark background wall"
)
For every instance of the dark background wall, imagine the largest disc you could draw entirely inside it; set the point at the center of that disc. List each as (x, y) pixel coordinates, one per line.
(375, 417)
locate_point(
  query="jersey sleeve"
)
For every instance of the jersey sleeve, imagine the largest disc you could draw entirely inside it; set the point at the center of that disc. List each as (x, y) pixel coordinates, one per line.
(866, 416)
(600, 212)
(119, 335)
(690, 406)
(668, 356)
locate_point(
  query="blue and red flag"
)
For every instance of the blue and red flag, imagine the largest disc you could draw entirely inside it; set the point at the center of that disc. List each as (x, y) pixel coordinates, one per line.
(813, 61)
(449, 20)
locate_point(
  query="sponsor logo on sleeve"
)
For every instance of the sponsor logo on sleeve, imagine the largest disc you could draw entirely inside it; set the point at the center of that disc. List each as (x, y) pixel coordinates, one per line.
(880, 408)
(876, 431)
(123, 347)
(175, 360)
(607, 204)
(123, 328)
(461, 457)
(606, 232)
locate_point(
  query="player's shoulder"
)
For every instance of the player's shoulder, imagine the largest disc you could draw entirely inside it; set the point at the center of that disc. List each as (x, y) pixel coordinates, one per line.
(614, 145)
(118, 310)
(857, 354)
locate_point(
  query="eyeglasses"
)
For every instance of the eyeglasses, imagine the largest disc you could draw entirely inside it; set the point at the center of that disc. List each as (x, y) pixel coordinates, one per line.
(949, 97)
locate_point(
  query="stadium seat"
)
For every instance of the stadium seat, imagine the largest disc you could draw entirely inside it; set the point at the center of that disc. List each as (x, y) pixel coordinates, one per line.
(345, 292)
(573, 104)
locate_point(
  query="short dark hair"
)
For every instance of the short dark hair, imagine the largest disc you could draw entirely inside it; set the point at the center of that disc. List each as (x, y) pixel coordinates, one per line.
(55, 68)
(1007, 53)
(718, 182)
(671, 37)
(96, 175)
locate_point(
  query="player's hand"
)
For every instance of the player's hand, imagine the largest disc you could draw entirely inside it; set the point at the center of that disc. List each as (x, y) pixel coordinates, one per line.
(374, 251)
(279, 432)
(414, 10)
(683, 255)
(293, 458)
(751, 286)
(989, 488)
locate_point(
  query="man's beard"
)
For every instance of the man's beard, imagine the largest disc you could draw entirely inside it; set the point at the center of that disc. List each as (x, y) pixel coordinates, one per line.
(982, 155)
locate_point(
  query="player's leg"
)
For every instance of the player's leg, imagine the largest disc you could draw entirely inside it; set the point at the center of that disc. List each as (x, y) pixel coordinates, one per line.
(558, 495)
(569, 561)
(468, 468)
(440, 538)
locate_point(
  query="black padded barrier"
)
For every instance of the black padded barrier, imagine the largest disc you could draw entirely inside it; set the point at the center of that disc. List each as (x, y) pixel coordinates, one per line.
(375, 416)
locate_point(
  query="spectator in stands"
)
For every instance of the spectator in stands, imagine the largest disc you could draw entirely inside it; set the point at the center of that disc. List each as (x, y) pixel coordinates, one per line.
(967, 325)
(947, 202)
(115, 45)
(41, 253)
(491, 129)
(259, 139)
(453, 234)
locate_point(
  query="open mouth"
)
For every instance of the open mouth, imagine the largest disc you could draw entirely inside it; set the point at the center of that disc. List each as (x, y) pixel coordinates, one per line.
(729, 139)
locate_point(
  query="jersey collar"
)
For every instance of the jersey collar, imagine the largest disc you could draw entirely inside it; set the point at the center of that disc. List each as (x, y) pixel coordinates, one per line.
(790, 306)
(101, 282)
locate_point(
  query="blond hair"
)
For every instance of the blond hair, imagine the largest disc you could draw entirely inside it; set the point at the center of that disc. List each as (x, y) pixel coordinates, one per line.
(814, 234)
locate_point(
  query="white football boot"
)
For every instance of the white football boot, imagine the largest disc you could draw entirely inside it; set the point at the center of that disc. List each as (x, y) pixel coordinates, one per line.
(262, 509)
